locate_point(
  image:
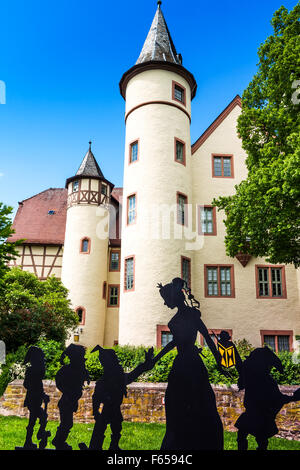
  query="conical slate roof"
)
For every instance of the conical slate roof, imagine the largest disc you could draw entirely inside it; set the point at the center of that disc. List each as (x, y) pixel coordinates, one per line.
(89, 166)
(159, 45)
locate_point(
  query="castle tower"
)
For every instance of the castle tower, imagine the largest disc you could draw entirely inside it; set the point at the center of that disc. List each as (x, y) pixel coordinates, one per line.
(85, 255)
(157, 183)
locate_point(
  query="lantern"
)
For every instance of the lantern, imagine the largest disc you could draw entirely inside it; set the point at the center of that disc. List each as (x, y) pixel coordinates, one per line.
(227, 356)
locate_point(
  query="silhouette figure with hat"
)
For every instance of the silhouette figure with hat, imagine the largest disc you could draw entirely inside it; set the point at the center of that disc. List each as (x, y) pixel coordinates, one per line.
(109, 391)
(69, 380)
(262, 400)
(192, 419)
(35, 397)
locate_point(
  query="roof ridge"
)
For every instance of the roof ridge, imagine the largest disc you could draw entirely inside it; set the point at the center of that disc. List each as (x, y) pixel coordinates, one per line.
(237, 101)
(41, 192)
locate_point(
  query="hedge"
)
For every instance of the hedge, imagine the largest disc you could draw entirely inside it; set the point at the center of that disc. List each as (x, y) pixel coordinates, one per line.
(130, 357)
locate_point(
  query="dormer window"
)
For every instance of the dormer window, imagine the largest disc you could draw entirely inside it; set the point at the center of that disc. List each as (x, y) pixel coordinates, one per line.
(75, 186)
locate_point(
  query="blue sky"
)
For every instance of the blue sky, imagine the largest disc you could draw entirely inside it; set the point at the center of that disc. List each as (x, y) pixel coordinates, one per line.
(62, 61)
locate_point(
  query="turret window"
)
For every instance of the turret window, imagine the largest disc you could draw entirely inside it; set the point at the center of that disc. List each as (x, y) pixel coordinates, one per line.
(75, 186)
(179, 151)
(85, 245)
(80, 312)
(182, 201)
(186, 270)
(129, 274)
(103, 189)
(131, 209)
(178, 92)
(134, 151)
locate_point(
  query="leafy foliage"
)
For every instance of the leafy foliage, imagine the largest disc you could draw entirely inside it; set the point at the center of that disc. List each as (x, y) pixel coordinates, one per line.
(30, 308)
(7, 250)
(263, 216)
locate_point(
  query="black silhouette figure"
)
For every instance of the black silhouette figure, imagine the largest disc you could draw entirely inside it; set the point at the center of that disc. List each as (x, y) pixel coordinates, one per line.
(262, 400)
(69, 380)
(109, 391)
(35, 397)
(192, 419)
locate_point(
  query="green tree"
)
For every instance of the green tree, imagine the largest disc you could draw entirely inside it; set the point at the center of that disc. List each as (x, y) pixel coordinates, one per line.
(7, 250)
(263, 216)
(31, 309)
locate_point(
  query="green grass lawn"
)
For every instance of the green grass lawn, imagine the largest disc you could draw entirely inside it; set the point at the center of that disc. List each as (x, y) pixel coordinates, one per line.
(135, 436)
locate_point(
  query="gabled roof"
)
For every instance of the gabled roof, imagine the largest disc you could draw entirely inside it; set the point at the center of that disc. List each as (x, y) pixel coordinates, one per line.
(159, 45)
(34, 223)
(235, 102)
(89, 166)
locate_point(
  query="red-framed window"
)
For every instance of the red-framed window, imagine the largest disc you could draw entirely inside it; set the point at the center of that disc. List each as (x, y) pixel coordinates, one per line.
(179, 151)
(113, 295)
(163, 336)
(278, 340)
(186, 270)
(81, 312)
(114, 260)
(131, 209)
(134, 151)
(129, 273)
(178, 92)
(222, 166)
(219, 281)
(182, 209)
(85, 245)
(207, 220)
(270, 282)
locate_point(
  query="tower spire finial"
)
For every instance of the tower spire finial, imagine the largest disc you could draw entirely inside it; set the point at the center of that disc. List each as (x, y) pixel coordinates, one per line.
(159, 3)
(90, 144)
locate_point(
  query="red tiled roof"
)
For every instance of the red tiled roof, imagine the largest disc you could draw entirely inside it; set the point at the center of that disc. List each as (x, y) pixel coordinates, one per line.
(34, 223)
(117, 193)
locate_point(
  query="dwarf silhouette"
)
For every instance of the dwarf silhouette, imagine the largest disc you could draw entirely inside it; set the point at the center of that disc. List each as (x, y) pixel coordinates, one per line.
(69, 380)
(35, 397)
(263, 399)
(109, 391)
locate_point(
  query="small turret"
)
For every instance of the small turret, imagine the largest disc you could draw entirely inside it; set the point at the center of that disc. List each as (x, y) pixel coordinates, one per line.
(86, 252)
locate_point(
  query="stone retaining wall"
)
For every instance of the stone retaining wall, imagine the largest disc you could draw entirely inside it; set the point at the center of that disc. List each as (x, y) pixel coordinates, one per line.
(145, 403)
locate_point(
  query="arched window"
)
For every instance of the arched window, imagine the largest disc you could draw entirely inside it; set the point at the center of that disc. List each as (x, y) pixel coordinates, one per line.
(80, 312)
(85, 245)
